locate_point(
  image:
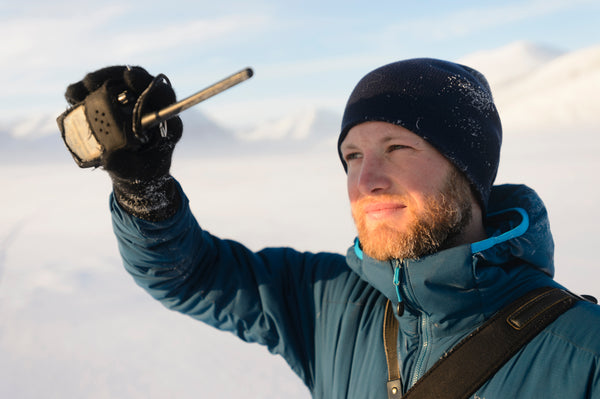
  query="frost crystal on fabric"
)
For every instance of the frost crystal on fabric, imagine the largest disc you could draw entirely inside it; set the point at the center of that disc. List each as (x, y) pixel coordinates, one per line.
(480, 99)
(151, 200)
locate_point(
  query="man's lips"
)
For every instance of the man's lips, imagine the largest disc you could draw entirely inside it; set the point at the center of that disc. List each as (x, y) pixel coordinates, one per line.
(382, 209)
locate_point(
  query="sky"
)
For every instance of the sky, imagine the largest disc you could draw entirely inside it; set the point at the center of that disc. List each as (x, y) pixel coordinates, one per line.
(304, 53)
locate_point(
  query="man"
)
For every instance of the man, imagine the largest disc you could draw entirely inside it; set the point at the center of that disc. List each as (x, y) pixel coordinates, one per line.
(420, 142)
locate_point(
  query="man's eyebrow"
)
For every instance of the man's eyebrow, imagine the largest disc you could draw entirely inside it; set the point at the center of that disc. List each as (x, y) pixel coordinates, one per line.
(383, 140)
(348, 146)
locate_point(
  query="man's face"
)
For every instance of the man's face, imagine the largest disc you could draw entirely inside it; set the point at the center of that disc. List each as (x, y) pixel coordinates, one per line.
(407, 199)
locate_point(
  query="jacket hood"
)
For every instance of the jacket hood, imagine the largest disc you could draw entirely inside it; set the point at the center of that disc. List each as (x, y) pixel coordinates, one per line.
(473, 279)
(518, 227)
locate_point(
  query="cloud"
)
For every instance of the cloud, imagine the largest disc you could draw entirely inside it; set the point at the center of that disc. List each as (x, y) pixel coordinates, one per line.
(182, 35)
(37, 41)
(52, 41)
(45, 50)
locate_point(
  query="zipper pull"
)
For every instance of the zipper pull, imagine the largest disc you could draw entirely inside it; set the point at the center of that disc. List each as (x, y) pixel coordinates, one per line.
(400, 306)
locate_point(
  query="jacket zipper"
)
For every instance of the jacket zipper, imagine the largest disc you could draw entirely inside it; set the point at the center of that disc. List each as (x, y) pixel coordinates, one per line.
(397, 271)
(420, 363)
(424, 322)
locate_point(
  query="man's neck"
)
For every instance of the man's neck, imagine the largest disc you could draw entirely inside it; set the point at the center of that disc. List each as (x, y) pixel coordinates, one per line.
(474, 231)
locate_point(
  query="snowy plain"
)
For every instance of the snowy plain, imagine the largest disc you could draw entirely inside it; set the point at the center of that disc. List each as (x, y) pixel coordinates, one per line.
(73, 324)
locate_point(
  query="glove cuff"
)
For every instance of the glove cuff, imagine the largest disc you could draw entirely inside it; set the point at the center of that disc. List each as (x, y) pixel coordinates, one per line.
(152, 200)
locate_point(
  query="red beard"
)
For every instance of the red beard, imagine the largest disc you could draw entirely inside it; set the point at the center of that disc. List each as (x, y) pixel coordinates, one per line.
(438, 225)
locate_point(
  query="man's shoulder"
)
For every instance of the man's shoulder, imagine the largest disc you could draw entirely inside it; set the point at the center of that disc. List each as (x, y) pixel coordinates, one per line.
(580, 327)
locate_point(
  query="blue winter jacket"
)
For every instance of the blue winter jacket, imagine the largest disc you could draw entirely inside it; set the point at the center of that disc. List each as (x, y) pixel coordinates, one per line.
(324, 313)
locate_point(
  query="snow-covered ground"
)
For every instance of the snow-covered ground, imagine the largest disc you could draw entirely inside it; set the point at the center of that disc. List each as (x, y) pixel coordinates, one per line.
(73, 324)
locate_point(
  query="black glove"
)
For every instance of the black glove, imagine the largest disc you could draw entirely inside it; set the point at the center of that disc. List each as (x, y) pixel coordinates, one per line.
(140, 171)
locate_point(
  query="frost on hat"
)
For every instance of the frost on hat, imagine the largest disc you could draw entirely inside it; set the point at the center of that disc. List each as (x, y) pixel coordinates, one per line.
(449, 105)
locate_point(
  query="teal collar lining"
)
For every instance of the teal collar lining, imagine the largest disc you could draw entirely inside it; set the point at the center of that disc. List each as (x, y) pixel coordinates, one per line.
(483, 244)
(357, 249)
(509, 235)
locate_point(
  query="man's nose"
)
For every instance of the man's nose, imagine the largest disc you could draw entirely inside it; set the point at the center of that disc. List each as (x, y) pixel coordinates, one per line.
(373, 178)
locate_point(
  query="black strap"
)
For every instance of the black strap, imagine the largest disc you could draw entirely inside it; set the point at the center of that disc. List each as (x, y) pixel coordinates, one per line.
(460, 372)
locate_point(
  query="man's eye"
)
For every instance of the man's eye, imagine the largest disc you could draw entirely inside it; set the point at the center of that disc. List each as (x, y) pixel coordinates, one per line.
(352, 156)
(397, 147)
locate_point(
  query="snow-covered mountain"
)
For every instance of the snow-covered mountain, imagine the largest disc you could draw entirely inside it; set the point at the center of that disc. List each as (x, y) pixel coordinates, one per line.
(40, 141)
(305, 124)
(202, 136)
(508, 64)
(537, 89)
(561, 94)
(21, 142)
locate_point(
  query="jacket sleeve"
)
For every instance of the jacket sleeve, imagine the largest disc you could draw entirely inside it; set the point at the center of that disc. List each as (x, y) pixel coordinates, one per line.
(270, 297)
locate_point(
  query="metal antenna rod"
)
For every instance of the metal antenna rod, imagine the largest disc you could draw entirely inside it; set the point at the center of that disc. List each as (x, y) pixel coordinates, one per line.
(153, 119)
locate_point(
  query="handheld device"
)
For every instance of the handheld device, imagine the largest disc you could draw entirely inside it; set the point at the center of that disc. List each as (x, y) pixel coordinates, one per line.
(90, 129)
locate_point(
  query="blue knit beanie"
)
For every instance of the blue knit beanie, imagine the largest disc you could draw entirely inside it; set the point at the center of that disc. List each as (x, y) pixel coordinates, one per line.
(447, 104)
